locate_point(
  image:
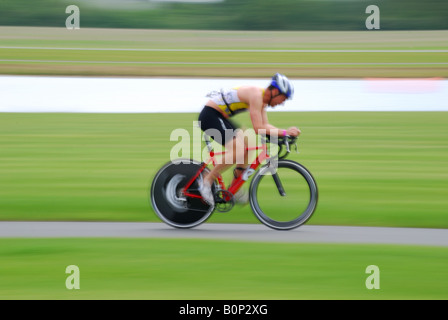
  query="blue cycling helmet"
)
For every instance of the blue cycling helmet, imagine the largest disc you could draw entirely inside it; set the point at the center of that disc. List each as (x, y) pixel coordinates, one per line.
(283, 84)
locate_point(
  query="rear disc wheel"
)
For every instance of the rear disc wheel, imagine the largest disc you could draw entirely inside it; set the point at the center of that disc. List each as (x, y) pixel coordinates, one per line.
(168, 200)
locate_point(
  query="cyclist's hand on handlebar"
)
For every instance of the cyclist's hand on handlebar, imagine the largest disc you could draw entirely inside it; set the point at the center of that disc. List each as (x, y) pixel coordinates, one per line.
(293, 131)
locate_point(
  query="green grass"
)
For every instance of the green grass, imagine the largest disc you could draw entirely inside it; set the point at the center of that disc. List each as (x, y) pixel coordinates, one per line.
(207, 269)
(213, 58)
(372, 168)
(215, 39)
(43, 61)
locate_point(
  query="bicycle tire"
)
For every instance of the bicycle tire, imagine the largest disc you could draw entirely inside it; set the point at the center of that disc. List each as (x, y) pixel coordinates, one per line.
(290, 170)
(169, 206)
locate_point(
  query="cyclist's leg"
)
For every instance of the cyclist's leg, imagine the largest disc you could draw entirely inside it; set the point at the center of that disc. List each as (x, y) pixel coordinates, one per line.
(242, 162)
(208, 179)
(241, 158)
(223, 131)
(234, 154)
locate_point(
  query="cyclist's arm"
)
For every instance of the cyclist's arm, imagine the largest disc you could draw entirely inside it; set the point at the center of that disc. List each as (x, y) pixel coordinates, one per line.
(260, 120)
(259, 116)
(272, 129)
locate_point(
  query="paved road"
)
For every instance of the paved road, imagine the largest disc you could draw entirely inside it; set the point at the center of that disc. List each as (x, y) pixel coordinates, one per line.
(249, 232)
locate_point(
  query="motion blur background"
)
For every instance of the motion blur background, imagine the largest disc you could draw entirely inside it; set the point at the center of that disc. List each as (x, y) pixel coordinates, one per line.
(283, 15)
(373, 168)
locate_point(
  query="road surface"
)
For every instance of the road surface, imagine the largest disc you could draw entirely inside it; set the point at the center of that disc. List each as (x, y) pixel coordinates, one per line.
(245, 232)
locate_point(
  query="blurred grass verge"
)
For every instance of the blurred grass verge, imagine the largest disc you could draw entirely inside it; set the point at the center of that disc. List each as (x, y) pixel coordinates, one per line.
(372, 168)
(208, 269)
(229, 14)
(113, 52)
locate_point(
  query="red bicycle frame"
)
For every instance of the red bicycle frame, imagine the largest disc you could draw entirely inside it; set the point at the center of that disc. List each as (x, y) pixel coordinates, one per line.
(237, 182)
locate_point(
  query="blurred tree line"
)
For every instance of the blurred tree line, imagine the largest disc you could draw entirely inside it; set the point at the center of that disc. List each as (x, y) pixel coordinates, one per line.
(230, 14)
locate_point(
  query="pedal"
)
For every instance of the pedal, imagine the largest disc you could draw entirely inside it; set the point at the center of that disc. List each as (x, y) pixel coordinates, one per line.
(224, 200)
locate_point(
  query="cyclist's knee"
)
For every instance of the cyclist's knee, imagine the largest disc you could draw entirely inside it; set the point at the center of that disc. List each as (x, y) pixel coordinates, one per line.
(239, 150)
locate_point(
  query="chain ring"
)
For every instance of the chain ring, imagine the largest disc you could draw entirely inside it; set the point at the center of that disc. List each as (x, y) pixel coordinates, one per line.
(224, 200)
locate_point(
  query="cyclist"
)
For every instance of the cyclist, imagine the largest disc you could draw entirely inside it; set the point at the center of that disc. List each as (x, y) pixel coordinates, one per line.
(215, 120)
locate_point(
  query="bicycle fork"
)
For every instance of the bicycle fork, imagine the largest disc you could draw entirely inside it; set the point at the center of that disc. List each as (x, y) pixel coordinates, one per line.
(278, 183)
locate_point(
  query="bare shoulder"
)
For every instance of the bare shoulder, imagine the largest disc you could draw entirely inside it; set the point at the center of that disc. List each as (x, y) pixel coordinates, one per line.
(248, 93)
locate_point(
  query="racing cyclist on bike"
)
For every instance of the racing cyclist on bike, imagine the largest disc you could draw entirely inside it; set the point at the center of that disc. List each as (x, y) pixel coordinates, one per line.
(215, 120)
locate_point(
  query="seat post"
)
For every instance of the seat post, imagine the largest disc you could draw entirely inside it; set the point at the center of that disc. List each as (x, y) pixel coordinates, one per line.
(208, 143)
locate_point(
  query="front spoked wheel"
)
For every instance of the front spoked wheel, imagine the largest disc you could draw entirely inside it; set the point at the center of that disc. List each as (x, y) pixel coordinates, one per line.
(168, 200)
(284, 197)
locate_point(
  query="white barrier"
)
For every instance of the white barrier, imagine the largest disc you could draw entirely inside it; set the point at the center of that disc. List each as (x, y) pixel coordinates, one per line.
(150, 95)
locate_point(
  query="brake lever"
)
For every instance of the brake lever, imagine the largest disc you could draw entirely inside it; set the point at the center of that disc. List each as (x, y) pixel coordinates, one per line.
(287, 144)
(295, 144)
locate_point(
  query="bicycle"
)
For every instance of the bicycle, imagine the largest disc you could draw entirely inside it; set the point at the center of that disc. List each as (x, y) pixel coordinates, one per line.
(176, 200)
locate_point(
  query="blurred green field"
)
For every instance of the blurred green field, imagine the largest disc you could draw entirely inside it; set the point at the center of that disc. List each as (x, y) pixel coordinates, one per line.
(372, 168)
(118, 52)
(165, 269)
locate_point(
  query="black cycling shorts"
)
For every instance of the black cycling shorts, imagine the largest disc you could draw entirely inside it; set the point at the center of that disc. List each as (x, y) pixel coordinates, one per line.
(216, 126)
